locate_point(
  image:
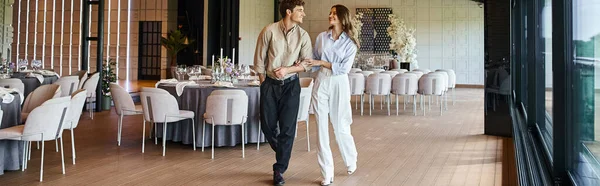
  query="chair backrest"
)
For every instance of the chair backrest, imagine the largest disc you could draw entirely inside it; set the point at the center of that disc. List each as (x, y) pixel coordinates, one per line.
(400, 70)
(391, 73)
(445, 77)
(366, 73)
(38, 96)
(376, 70)
(357, 83)
(451, 77)
(405, 84)
(306, 82)
(157, 103)
(121, 98)
(226, 109)
(75, 108)
(68, 84)
(82, 79)
(431, 84)
(424, 70)
(305, 96)
(227, 92)
(354, 70)
(418, 73)
(91, 84)
(379, 84)
(47, 119)
(13, 83)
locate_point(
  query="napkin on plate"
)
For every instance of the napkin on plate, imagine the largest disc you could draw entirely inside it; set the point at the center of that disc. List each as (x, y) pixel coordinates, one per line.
(6, 94)
(180, 85)
(166, 81)
(223, 84)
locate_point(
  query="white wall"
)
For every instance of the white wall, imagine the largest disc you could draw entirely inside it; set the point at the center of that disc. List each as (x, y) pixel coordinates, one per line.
(449, 33)
(254, 16)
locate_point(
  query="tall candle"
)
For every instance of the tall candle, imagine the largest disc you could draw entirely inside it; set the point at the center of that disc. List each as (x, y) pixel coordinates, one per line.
(233, 57)
(221, 54)
(213, 61)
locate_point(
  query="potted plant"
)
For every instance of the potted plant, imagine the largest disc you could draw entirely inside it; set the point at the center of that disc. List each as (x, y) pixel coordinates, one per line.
(108, 76)
(174, 42)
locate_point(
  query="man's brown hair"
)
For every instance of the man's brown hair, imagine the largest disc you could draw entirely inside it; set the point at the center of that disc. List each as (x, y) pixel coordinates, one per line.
(288, 5)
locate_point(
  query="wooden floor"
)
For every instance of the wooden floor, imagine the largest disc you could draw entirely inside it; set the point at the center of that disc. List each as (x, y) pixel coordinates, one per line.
(135, 86)
(393, 150)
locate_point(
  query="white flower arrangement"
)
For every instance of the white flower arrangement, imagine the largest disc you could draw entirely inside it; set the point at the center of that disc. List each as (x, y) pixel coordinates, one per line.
(403, 41)
(357, 24)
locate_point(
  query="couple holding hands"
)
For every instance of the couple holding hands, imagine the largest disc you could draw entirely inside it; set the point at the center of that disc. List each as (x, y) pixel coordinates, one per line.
(283, 49)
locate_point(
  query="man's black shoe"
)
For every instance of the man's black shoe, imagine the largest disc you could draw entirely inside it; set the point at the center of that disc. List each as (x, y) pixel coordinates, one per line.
(278, 179)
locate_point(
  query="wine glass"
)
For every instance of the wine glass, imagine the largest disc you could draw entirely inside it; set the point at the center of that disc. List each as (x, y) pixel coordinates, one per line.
(23, 64)
(36, 64)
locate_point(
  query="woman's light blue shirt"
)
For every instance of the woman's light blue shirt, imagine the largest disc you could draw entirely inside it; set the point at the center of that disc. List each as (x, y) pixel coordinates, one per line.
(340, 53)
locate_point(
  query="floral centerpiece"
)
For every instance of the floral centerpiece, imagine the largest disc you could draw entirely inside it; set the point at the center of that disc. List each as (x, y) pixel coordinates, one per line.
(225, 70)
(403, 42)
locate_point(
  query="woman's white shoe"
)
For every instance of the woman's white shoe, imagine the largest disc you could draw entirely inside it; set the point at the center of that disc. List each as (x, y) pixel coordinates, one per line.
(351, 169)
(327, 181)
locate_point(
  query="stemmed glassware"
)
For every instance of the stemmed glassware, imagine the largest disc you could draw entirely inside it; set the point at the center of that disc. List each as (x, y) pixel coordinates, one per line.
(36, 64)
(181, 71)
(23, 64)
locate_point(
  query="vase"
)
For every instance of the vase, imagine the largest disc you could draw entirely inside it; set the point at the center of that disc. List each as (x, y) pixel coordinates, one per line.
(394, 64)
(405, 65)
(106, 101)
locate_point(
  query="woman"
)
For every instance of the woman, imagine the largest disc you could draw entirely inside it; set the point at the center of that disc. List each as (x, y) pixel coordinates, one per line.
(333, 57)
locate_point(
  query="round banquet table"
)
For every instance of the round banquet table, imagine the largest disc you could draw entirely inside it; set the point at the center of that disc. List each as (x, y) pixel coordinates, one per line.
(10, 150)
(194, 98)
(32, 83)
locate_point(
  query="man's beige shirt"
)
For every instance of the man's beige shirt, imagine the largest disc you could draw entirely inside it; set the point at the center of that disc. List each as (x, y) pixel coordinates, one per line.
(275, 48)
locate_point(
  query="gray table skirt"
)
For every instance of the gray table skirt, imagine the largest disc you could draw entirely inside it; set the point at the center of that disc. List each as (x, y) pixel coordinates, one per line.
(10, 150)
(32, 83)
(194, 99)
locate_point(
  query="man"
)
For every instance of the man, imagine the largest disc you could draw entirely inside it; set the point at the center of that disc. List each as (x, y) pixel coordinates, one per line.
(280, 51)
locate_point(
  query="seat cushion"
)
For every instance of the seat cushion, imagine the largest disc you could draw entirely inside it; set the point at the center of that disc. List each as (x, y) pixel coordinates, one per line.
(186, 113)
(12, 132)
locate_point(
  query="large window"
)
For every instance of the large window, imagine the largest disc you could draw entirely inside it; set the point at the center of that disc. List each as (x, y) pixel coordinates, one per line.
(546, 52)
(586, 87)
(562, 104)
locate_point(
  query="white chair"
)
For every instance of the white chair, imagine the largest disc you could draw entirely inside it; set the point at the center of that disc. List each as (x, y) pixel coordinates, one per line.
(376, 70)
(406, 85)
(357, 88)
(72, 118)
(431, 85)
(380, 85)
(418, 73)
(36, 98)
(355, 70)
(366, 73)
(160, 106)
(44, 124)
(400, 70)
(228, 92)
(13, 83)
(306, 85)
(124, 106)
(90, 85)
(424, 70)
(83, 76)
(68, 84)
(451, 81)
(391, 73)
(226, 109)
(445, 96)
